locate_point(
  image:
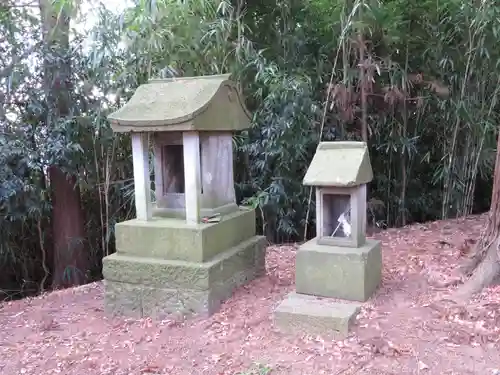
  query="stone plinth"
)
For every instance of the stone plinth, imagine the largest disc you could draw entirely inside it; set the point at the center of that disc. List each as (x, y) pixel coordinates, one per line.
(300, 313)
(338, 272)
(174, 239)
(323, 275)
(165, 266)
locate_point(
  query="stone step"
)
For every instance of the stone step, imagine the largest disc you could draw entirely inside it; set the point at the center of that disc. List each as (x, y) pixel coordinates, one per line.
(306, 314)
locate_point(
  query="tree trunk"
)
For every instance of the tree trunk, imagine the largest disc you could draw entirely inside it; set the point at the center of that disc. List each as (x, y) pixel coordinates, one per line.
(70, 260)
(484, 262)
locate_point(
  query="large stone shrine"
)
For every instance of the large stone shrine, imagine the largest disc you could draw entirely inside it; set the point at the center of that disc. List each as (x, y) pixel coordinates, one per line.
(187, 250)
(340, 267)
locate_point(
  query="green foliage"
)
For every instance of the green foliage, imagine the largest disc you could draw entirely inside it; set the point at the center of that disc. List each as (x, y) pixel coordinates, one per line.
(431, 83)
(279, 148)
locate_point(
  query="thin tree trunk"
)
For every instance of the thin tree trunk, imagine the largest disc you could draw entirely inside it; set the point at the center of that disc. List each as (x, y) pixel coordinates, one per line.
(70, 263)
(362, 78)
(404, 182)
(485, 260)
(403, 133)
(448, 180)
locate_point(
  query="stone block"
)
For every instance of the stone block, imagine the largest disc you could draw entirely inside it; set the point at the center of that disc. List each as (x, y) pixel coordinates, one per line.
(161, 273)
(338, 272)
(174, 239)
(122, 299)
(149, 287)
(305, 314)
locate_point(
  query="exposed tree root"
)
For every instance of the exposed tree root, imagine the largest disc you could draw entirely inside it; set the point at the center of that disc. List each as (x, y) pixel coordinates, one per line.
(485, 260)
(477, 256)
(487, 270)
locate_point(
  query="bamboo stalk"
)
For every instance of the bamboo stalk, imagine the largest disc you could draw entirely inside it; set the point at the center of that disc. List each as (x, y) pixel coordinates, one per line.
(447, 187)
(362, 79)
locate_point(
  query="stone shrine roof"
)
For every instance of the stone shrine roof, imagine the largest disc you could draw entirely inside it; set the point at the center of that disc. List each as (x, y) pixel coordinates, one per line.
(339, 164)
(205, 103)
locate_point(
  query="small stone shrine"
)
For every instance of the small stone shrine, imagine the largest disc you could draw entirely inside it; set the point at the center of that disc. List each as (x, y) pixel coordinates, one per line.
(340, 263)
(191, 246)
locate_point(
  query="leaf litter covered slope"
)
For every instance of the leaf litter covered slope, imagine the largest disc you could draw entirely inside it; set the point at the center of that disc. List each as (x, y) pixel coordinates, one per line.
(407, 328)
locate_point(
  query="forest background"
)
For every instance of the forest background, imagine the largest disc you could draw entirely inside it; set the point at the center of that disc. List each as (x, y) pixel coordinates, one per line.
(416, 79)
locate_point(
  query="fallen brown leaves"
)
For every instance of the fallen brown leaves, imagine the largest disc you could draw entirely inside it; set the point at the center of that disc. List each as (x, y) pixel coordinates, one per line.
(409, 327)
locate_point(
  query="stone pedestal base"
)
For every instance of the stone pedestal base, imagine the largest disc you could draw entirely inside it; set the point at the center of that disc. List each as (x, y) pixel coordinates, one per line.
(300, 313)
(167, 266)
(339, 272)
(350, 274)
(173, 239)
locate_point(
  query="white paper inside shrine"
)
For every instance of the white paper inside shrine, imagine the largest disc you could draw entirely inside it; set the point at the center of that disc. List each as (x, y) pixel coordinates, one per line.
(336, 215)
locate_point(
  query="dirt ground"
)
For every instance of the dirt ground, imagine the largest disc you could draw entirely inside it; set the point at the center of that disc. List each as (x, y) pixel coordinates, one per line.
(407, 328)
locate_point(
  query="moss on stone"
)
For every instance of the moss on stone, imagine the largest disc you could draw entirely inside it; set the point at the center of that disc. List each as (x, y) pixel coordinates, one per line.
(299, 313)
(174, 239)
(153, 288)
(339, 272)
(339, 164)
(160, 273)
(205, 103)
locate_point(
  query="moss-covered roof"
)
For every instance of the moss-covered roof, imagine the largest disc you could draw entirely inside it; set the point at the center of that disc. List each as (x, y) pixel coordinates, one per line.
(205, 103)
(339, 164)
